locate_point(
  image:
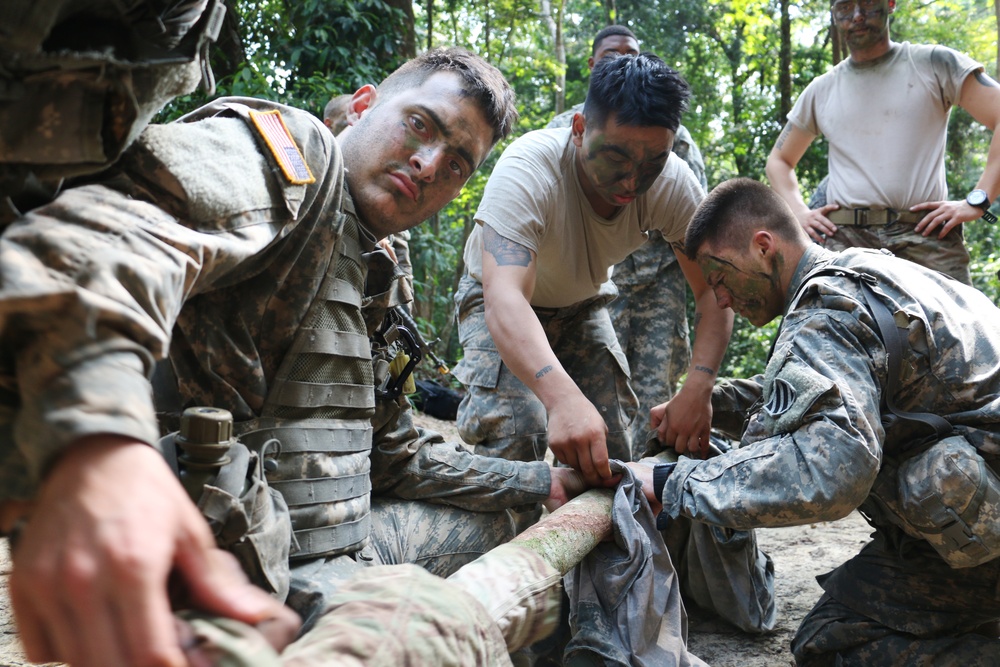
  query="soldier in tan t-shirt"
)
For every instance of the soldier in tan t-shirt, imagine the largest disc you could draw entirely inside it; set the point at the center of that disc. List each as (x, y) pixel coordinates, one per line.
(884, 112)
(542, 363)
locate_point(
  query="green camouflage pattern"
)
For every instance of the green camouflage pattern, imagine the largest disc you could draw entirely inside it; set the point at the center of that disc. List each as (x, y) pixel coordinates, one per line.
(650, 318)
(400, 615)
(69, 110)
(382, 617)
(814, 443)
(438, 538)
(501, 417)
(948, 255)
(212, 641)
(519, 588)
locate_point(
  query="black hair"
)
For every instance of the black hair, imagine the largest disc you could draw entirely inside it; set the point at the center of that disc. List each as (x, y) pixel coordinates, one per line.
(640, 90)
(610, 31)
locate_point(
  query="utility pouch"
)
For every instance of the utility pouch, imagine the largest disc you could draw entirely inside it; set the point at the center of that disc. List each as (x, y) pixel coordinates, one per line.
(950, 497)
(226, 480)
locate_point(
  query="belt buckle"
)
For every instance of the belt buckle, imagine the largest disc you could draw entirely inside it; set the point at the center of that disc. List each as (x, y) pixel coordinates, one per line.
(861, 217)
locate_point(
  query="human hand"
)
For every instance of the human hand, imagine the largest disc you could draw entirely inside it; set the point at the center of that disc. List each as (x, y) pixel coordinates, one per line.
(577, 437)
(386, 245)
(110, 525)
(816, 224)
(945, 215)
(685, 422)
(643, 472)
(566, 485)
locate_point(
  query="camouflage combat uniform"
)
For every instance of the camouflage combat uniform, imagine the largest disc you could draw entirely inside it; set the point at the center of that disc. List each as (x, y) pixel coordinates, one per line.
(501, 416)
(650, 312)
(195, 246)
(814, 446)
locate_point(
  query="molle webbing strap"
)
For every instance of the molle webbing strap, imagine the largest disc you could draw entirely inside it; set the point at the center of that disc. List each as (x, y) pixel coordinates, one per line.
(345, 537)
(338, 436)
(891, 337)
(319, 410)
(324, 490)
(893, 341)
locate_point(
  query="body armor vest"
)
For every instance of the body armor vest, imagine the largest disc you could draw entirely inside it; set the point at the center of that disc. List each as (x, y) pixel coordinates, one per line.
(315, 429)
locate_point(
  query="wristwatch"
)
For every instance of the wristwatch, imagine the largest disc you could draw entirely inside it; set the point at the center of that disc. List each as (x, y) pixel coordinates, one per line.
(981, 200)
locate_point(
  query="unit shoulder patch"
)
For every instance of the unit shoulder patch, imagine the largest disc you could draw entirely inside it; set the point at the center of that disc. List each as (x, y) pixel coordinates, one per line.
(275, 133)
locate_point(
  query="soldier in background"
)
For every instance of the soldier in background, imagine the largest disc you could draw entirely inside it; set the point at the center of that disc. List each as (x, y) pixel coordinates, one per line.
(650, 312)
(335, 113)
(887, 185)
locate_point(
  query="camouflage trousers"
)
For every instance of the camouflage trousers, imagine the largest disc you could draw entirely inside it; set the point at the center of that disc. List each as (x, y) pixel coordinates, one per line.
(381, 617)
(883, 610)
(438, 538)
(501, 417)
(948, 255)
(390, 615)
(650, 318)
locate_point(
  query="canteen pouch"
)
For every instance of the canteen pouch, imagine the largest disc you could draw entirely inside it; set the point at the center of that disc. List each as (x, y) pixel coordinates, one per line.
(949, 496)
(248, 518)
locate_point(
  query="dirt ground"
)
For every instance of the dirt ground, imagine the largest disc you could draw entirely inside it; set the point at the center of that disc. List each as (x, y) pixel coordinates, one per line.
(799, 554)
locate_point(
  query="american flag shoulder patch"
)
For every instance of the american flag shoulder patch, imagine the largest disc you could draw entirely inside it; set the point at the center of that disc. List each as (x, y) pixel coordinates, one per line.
(275, 133)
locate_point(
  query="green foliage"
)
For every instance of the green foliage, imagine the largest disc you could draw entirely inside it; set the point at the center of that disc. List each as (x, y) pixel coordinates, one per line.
(302, 52)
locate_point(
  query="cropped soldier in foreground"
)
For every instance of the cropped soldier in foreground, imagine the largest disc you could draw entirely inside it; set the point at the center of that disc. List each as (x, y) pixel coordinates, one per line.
(882, 393)
(237, 244)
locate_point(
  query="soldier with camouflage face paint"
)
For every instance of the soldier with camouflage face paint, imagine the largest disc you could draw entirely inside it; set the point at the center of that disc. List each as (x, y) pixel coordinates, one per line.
(884, 111)
(237, 244)
(650, 312)
(542, 364)
(828, 433)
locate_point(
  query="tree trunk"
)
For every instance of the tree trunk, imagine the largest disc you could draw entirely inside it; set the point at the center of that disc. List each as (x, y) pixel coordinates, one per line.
(408, 36)
(996, 12)
(839, 50)
(785, 63)
(610, 12)
(553, 21)
(430, 24)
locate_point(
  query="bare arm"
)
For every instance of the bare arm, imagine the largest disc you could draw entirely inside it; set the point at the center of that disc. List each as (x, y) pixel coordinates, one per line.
(685, 421)
(577, 432)
(784, 157)
(110, 525)
(981, 98)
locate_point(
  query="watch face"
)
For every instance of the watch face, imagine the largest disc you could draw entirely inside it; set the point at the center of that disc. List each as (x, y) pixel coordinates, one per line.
(977, 198)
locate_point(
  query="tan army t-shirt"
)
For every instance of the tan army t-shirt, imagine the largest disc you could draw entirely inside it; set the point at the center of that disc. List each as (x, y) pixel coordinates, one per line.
(534, 197)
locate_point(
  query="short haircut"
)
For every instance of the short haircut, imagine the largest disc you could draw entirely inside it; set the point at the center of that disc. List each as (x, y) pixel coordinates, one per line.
(640, 90)
(480, 80)
(610, 31)
(732, 212)
(335, 111)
